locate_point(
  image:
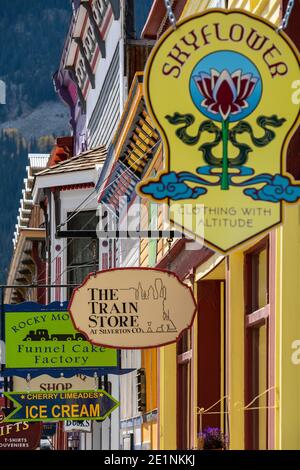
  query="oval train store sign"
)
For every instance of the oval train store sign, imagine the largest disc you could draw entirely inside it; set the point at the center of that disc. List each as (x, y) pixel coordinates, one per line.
(132, 308)
(221, 90)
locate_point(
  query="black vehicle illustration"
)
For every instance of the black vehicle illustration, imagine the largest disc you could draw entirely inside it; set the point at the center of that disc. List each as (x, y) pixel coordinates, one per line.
(43, 335)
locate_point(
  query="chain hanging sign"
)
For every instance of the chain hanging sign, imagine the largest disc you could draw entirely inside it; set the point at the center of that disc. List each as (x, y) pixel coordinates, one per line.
(222, 89)
(132, 308)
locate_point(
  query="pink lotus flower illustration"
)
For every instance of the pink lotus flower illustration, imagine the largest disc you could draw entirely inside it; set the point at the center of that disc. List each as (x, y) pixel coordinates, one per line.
(225, 93)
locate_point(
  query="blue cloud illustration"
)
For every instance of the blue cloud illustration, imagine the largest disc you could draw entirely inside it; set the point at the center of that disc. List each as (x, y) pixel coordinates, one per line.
(171, 186)
(278, 189)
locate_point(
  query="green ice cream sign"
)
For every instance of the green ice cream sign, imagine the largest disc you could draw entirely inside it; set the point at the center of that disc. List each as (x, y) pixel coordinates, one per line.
(48, 339)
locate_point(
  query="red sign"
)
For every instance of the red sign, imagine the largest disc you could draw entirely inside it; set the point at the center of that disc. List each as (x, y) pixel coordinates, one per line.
(19, 436)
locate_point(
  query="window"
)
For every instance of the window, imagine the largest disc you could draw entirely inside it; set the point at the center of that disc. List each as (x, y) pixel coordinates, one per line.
(80, 252)
(256, 352)
(257, 274)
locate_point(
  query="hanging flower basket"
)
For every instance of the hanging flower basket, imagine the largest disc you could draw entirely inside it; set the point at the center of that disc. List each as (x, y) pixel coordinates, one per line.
(212, 439)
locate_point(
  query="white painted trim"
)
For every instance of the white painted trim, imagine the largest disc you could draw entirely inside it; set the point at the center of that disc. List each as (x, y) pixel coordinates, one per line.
(64, 179)
(208, 266)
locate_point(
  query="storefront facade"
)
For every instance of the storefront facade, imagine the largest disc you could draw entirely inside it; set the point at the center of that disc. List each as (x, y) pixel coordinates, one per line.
(236, 368)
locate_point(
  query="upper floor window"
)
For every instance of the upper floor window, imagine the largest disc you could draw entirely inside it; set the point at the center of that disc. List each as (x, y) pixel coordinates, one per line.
(257, 276)
(256, 350)
(80, 252)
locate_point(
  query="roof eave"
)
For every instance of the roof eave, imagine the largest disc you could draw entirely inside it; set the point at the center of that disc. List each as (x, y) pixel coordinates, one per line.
(64, 179)
(154, 20)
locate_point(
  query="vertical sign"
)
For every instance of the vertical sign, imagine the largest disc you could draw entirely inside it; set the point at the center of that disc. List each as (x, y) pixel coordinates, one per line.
(220, 89)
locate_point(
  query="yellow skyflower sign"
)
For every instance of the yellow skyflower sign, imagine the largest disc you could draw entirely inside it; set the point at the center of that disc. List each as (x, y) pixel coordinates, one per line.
(221, 89)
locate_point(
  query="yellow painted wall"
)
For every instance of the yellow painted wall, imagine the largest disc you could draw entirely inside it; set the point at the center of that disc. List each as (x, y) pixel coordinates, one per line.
(146, 435)
(154, 435)
(278, 244)
(289, 329)
(149, 435)
(167, 391)
(235, 348)
(149, 363)
(287, 300)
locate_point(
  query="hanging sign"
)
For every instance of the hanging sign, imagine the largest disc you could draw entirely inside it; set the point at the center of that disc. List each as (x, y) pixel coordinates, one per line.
(76, 426)
(19, 435)
(59, 406)
(47, 339)
(45, 383)
(223, 91)
(132, 308)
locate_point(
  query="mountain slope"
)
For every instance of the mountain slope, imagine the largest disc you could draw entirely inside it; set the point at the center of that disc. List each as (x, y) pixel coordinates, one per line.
(32, 35)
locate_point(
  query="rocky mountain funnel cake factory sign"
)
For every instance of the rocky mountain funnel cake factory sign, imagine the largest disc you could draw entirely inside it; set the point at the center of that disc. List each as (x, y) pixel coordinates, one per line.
(223, 91)
(132, 308)
(47, 339)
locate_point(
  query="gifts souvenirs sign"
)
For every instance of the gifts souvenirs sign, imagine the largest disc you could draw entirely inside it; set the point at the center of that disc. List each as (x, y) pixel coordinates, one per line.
(132, 308)
(222, 90)
(20, 435)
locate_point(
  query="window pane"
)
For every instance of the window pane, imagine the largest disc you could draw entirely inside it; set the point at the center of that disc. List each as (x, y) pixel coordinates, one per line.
(80, 259)
(80, 251)
(184, 343)
(262, 278)
(85, 220)
(77, 275)
(257, 280)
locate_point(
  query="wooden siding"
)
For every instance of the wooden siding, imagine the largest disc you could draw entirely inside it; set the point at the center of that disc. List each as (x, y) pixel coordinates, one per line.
(36, 217)
(106, 115)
